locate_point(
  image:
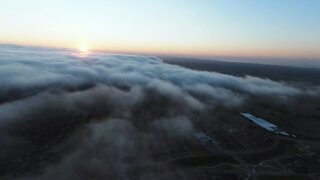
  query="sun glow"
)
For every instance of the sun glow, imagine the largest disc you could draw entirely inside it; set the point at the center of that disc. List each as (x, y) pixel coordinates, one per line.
(83, 48)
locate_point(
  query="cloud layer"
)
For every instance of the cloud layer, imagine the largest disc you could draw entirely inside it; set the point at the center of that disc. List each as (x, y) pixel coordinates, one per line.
(77, 115)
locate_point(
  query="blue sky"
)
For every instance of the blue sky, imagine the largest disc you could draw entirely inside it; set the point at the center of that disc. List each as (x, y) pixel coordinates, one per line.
(267, 28)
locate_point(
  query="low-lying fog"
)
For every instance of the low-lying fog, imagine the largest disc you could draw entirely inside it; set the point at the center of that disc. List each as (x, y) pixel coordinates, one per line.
(62, 111)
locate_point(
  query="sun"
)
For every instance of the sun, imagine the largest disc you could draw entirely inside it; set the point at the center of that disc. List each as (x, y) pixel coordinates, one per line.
(83, 48)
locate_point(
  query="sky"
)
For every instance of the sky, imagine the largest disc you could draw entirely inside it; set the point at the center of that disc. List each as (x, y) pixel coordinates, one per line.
(231, 28)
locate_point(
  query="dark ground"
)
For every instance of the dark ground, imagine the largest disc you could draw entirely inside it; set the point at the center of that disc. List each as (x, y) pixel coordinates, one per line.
(274, 72)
